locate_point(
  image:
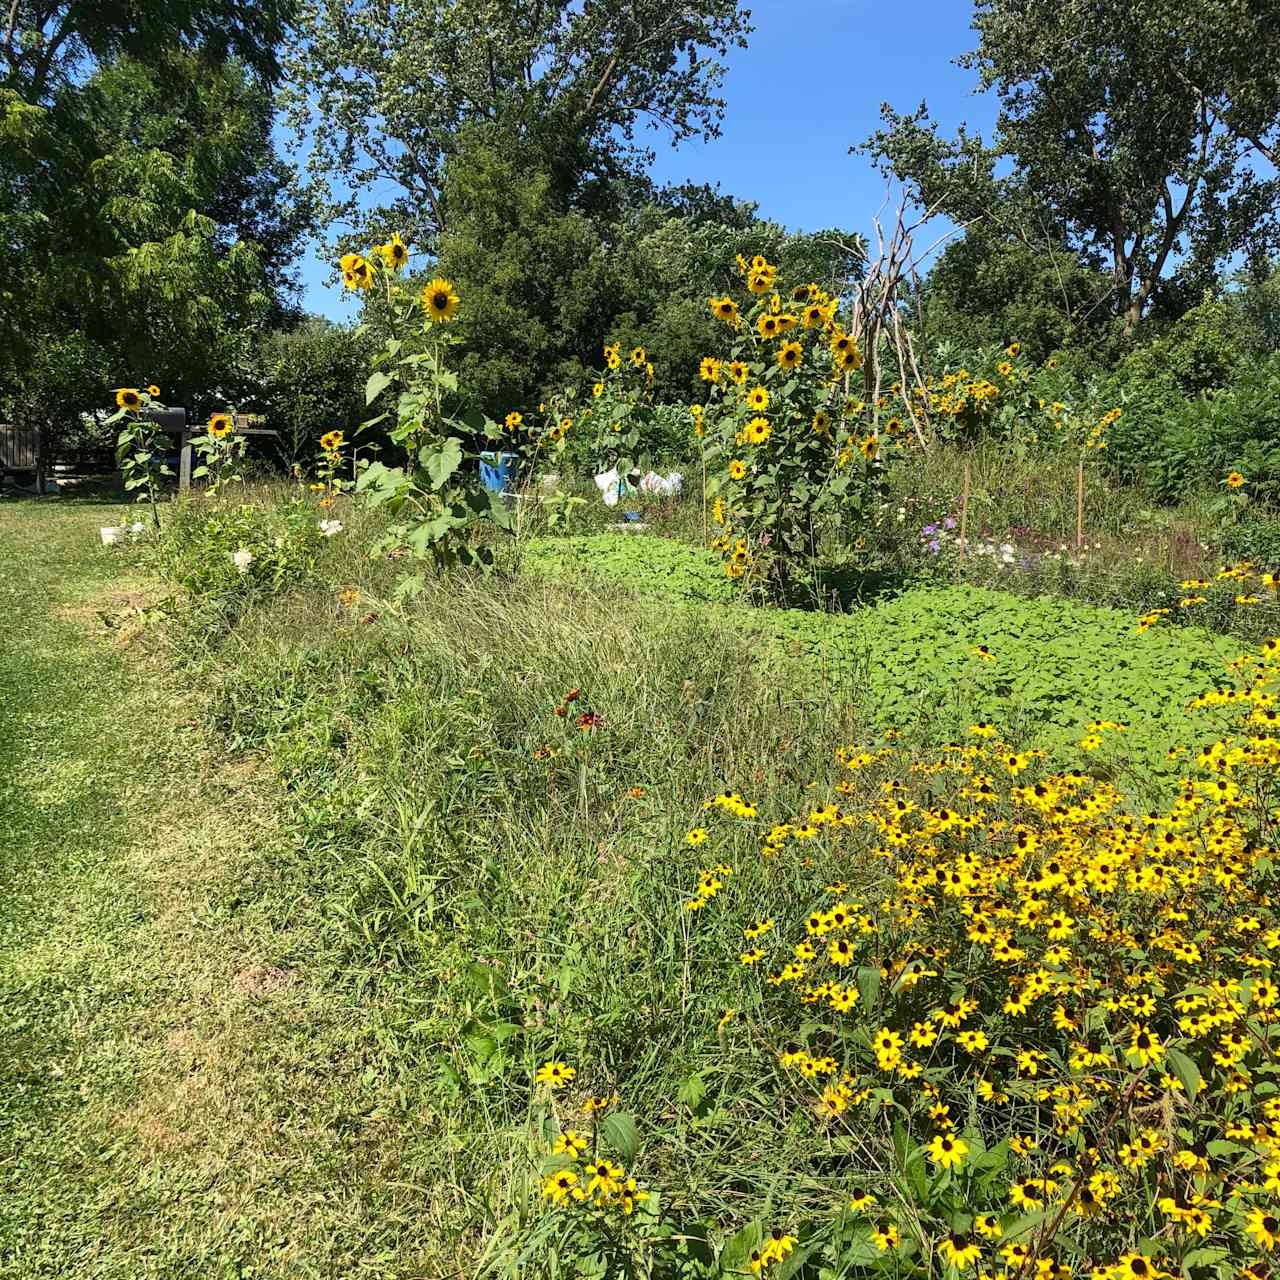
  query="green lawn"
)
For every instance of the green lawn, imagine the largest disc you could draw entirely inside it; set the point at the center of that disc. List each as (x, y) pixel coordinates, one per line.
(181, 1093)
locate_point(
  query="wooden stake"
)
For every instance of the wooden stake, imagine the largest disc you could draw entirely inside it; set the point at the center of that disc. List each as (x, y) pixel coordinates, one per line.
(964, 518)
(1079, 504)
(705, 539)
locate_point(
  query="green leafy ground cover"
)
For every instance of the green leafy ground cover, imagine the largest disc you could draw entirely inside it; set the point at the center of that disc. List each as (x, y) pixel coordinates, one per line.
(909, 660)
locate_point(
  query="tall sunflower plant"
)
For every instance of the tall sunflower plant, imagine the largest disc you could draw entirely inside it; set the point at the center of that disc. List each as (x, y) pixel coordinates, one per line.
(141, 454)
(438, 505)
(791, 450)
(221, 450)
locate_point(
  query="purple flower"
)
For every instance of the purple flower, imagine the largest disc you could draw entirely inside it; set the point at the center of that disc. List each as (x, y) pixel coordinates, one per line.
(935, 546)
(949, 522)
(929, 528)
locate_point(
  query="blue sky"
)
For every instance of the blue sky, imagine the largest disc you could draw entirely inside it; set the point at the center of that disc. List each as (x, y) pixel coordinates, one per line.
(809, 85)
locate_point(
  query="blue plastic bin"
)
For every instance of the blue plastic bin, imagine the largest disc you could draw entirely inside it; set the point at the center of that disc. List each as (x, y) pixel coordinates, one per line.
(498, 472)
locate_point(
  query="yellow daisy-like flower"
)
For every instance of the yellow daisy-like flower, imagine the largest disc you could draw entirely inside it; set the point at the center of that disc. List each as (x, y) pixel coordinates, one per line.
(554, 1075)
(709, 369)
(789, 355)
(638, 357)
(219, 425)
(394, 253)
(440, 300)
(947, 1150)
(332, 441)
(153, 391)
(1234, 480)
(357, 272)
(738, 372)
(737, 469)
(557, 1187)
(128, 398)
(723, 309)
(757, 431)
(513, 420)
(758, 399)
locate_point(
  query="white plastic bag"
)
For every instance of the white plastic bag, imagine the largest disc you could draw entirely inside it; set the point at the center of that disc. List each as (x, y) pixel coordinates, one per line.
(607, 483)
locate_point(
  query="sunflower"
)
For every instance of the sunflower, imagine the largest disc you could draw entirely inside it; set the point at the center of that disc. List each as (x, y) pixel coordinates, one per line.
(357, 272)
(1004, 368)
(738, 372)
(1013, 350)
(757, 431)
(331, 441)
(737, 469)
(822, 422)
(769, 325)
(789, 355)
(760, 282)
(709, 369)
(723, 309)
(861, 1200)
(128, 398)
(153, 391)
(439, 300)
(219, 425)
(394, 253)
(513, 420)
(638, 357)
(758, 399)
(1234, 480)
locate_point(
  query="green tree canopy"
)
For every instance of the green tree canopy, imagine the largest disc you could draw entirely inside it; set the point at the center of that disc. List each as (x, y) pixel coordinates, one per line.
(1118, 136)
(382, 90)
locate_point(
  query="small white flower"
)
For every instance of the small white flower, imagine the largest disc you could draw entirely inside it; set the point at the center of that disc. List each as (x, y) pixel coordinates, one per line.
(136, 527)
(329, 527)
(242, 559)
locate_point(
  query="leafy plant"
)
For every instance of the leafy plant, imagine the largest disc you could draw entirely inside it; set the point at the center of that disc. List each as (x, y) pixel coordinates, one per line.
(792, 450)
(140, 452)
(221, 451)
(434, 498)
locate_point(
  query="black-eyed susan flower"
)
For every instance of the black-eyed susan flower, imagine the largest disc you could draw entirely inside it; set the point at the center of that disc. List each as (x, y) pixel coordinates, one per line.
(555, 1075)
(886, 1236)
(947, 1151)
(128, 398)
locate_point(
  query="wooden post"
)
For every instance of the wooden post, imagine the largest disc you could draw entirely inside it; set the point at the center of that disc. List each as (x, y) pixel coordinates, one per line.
(964, 519)
(185, 453)
(705, 539)
(1079, 504)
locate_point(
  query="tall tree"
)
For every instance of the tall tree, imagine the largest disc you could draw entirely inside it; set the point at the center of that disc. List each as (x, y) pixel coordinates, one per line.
(47, 44)
(1115, 117)
(381, 89)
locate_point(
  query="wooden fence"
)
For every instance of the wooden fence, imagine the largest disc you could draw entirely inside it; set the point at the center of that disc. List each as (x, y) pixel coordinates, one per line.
(18, 449)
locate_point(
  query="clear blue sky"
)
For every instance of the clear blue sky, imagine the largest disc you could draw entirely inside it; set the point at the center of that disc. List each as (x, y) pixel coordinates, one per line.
(809, 85)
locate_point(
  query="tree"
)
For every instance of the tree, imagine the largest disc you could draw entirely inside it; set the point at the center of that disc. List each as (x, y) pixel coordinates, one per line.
(46, 45)
(987, 288)
(383, 88)
(1111, 112)
(312, 381)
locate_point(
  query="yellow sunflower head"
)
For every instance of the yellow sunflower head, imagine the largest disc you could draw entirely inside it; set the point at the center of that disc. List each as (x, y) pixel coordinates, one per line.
(219, 424)
(128, 398)
(331, 441)
(439, 300)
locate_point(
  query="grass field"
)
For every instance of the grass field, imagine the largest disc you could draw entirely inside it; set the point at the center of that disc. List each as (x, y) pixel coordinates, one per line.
(307, 885)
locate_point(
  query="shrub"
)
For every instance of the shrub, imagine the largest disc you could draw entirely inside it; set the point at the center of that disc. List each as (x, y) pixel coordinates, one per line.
(311, 383)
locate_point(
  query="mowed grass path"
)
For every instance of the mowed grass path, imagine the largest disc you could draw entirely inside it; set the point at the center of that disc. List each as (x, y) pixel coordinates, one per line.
(184, 1090)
